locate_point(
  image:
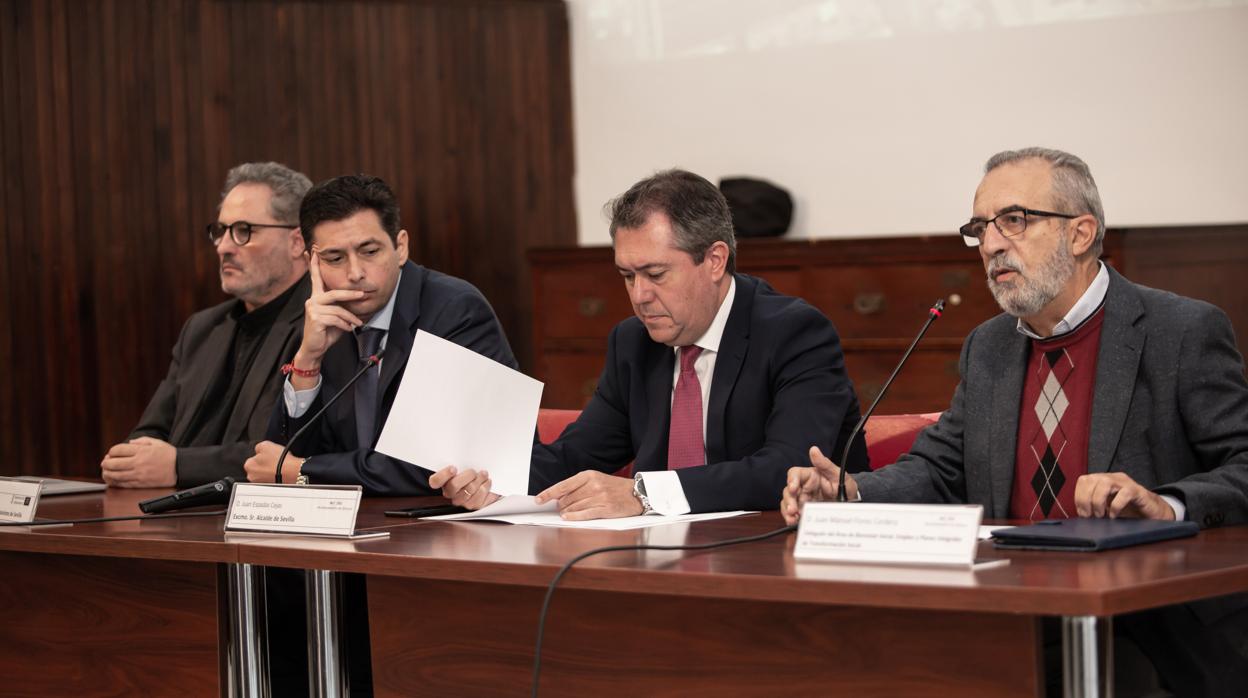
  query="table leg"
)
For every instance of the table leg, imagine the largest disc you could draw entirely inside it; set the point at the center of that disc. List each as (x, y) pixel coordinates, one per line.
(327, 671)
(1087, 657)
(248, 656)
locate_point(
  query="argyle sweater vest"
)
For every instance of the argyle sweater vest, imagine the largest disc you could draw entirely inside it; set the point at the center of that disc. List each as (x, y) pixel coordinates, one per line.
(1054, 425)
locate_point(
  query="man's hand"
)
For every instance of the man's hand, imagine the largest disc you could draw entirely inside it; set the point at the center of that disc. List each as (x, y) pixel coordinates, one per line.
(469, 489)
(592, 495)
(142, 462)
(814, 484)
(324, 321)
(1116, 495)
(262, 467)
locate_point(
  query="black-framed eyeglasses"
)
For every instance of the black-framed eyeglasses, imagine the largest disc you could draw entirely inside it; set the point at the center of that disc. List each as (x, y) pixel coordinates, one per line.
(1012, 221)
(240, 231)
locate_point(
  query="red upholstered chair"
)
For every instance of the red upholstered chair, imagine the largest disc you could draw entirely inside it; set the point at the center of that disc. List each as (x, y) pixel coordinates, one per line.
(551, 423)
(890, 435)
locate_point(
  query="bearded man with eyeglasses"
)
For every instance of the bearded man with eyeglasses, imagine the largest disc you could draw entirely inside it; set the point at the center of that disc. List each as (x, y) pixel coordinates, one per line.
(213, 406)
(1090, 396)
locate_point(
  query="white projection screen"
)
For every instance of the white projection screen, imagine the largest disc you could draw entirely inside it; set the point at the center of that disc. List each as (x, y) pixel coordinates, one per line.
(878, 114)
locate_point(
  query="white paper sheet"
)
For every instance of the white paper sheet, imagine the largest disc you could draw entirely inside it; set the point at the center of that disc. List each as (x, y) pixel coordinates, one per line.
(506, 506)
(456, 407)
(524, 510)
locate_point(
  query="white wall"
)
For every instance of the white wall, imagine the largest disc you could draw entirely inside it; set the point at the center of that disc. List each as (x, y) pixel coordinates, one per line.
(878, 115)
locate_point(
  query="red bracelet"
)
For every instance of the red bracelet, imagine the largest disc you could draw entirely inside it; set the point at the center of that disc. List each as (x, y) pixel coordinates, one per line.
(292, 368)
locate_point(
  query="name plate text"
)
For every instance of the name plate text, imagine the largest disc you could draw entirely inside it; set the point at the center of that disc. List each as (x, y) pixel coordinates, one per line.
(912, 534)
(18, 500)
(323, 510)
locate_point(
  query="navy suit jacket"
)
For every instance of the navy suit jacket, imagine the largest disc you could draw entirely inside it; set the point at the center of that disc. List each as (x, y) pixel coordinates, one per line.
(198, 359)
(429, 301)
(779, 387)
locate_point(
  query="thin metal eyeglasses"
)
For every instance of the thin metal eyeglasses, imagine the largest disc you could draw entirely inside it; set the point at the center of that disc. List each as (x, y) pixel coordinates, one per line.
(240, 231)
(1012, 221)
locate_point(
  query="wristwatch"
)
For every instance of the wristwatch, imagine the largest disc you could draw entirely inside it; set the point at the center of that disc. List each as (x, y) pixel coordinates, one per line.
(639, 491)
(302, 479)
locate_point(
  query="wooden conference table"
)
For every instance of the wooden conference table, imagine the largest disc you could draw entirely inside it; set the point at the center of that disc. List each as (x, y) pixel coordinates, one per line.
(151, 607)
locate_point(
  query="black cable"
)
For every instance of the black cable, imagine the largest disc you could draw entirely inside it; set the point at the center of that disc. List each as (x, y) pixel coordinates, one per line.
(550, 590)
(107, 519)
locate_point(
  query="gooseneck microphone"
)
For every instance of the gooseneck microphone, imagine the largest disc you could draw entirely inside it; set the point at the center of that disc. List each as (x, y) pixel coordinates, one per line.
(937, 309)
(212, 493)
(372, 361)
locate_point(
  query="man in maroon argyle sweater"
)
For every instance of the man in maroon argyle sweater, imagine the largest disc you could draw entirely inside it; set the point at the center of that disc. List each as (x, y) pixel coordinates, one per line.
(1089, 396)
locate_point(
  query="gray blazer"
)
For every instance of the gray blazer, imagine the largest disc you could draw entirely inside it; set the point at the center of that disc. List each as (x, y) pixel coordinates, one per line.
(198, 357)
(1170, 409)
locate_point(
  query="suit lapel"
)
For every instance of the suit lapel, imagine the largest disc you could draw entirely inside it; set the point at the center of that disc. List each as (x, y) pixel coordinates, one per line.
(216, 349)
(402, 330)
(265, 367)
(732, 348)
(1117, 363)
(1007, 391)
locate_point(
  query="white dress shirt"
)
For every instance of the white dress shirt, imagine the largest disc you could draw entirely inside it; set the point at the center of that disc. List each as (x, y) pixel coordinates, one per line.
(663, 487)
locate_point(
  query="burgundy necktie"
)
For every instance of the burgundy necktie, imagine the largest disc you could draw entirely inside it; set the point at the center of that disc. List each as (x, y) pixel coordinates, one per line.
(684, 438)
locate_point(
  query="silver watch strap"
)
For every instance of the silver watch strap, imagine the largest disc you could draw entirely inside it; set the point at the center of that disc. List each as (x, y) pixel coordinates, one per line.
(639, 491)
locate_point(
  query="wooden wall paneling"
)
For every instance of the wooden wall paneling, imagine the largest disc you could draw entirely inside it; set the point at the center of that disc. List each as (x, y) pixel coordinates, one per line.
(10, 225)
(141, 224)
(16, 215)
(34, 294)
(198, 262)
(421, 162)
(86, 161)
(66, 282)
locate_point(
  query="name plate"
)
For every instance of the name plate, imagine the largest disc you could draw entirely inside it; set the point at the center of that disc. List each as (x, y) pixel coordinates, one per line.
(911, 534)
(18, 500)
(322, 510)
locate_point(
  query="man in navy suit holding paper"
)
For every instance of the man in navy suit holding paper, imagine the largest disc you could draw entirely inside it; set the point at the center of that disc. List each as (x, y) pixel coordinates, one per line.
(367, 299)
(1089, 396)
(709, 391)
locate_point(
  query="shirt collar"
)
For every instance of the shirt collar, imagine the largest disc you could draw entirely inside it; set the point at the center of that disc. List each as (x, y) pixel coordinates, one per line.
(381, 320)
(1080, 311)
(709, 341)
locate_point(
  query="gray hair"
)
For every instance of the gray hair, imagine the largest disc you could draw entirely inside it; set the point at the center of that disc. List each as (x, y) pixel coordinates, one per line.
(1074, 190)
(287, 185)
(697, 210)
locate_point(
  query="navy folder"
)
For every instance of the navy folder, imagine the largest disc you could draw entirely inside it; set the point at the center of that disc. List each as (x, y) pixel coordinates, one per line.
(1089, 535)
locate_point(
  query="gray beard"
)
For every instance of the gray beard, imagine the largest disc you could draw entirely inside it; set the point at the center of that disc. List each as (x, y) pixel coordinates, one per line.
(1031, 292)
